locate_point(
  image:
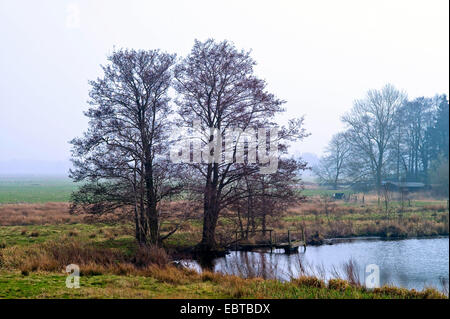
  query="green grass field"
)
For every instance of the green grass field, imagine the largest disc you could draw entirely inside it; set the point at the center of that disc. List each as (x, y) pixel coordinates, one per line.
(27, 189)
(43, 189)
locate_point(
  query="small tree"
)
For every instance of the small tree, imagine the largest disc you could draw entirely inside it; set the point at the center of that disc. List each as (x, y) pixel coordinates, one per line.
(267, 196)
(387, 196)
(440, 176)
(332, 166)
(280, 190)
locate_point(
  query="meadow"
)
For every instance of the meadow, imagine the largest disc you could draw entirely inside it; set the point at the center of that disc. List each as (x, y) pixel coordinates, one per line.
(33, 259)
(29, 189)
(38, 238)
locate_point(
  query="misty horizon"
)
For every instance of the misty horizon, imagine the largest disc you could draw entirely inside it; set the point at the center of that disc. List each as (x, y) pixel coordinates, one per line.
(318, 65)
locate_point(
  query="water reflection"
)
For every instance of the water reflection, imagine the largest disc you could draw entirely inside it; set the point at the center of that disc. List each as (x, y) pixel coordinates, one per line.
(410, 263)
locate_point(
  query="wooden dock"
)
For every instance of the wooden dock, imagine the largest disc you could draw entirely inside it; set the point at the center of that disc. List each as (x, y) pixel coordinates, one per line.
(291, 246)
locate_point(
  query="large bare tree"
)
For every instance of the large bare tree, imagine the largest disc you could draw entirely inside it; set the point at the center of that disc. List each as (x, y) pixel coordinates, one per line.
(121, 157)
(371, 125)
(216, 86)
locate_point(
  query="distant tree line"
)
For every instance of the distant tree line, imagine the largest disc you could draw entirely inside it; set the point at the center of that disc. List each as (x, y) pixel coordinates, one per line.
(123, 158)
(389, 137)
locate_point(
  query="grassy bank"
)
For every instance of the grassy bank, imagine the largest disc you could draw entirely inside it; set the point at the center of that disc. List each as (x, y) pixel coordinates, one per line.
(176, 283)
(318, 221)
(322, 220)
(38, 240)
(32, 266)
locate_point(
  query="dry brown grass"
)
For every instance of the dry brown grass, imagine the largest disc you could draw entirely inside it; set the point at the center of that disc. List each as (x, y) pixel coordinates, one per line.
(54, 256)
(427, 293)
(51, 213)
(37, 214)
(338, 284)
(309, 281)
(152, 255)
(93, 260)
(334, 220)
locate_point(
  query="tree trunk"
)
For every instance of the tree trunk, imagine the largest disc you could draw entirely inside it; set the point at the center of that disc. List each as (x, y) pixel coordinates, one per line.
(379, 168)
(210, 212)
(210, 216)
(151, 211)
(263, 224)
(153, 224)
(241, 225)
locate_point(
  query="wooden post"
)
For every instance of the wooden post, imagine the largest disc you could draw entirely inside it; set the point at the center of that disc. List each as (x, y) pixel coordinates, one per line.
(289, 238)
(304, 239)
(270, 232)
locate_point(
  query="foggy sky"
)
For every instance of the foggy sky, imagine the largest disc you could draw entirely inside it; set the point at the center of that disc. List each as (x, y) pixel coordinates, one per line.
(319, 56)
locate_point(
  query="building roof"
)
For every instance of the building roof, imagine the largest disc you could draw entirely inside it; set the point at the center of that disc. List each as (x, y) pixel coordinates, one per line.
(405, 184)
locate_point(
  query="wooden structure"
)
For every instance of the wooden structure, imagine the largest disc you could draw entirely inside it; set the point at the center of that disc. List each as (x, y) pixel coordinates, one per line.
(338, 196)
(291, 246)
(407, 187)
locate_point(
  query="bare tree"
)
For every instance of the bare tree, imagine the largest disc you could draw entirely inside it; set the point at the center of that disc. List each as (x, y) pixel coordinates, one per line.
(122, 154)
(267, 196)
(216, 86)
(371, 125)
(332, 166)
(417, 118)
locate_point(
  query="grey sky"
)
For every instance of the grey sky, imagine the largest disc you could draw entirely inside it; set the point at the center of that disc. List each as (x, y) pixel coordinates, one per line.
(317, 55)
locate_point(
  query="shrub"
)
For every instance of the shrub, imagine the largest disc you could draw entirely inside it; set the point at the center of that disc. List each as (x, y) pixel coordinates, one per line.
(428, 293)
(167, 274)
(150, 255)
(66, 253)
(338, 284)
(309, 282)
(394, 230)
(316, 239)
(211, 276)
(92, 269)
(73, 233)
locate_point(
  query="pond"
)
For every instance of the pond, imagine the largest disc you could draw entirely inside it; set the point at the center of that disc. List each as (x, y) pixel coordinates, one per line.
(409, 263)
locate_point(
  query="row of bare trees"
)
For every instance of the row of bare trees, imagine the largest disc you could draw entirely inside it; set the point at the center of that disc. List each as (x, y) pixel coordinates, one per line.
(390, 137)
(123, 158)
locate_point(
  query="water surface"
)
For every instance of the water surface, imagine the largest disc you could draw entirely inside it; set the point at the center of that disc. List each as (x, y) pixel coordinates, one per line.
(409, 263)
